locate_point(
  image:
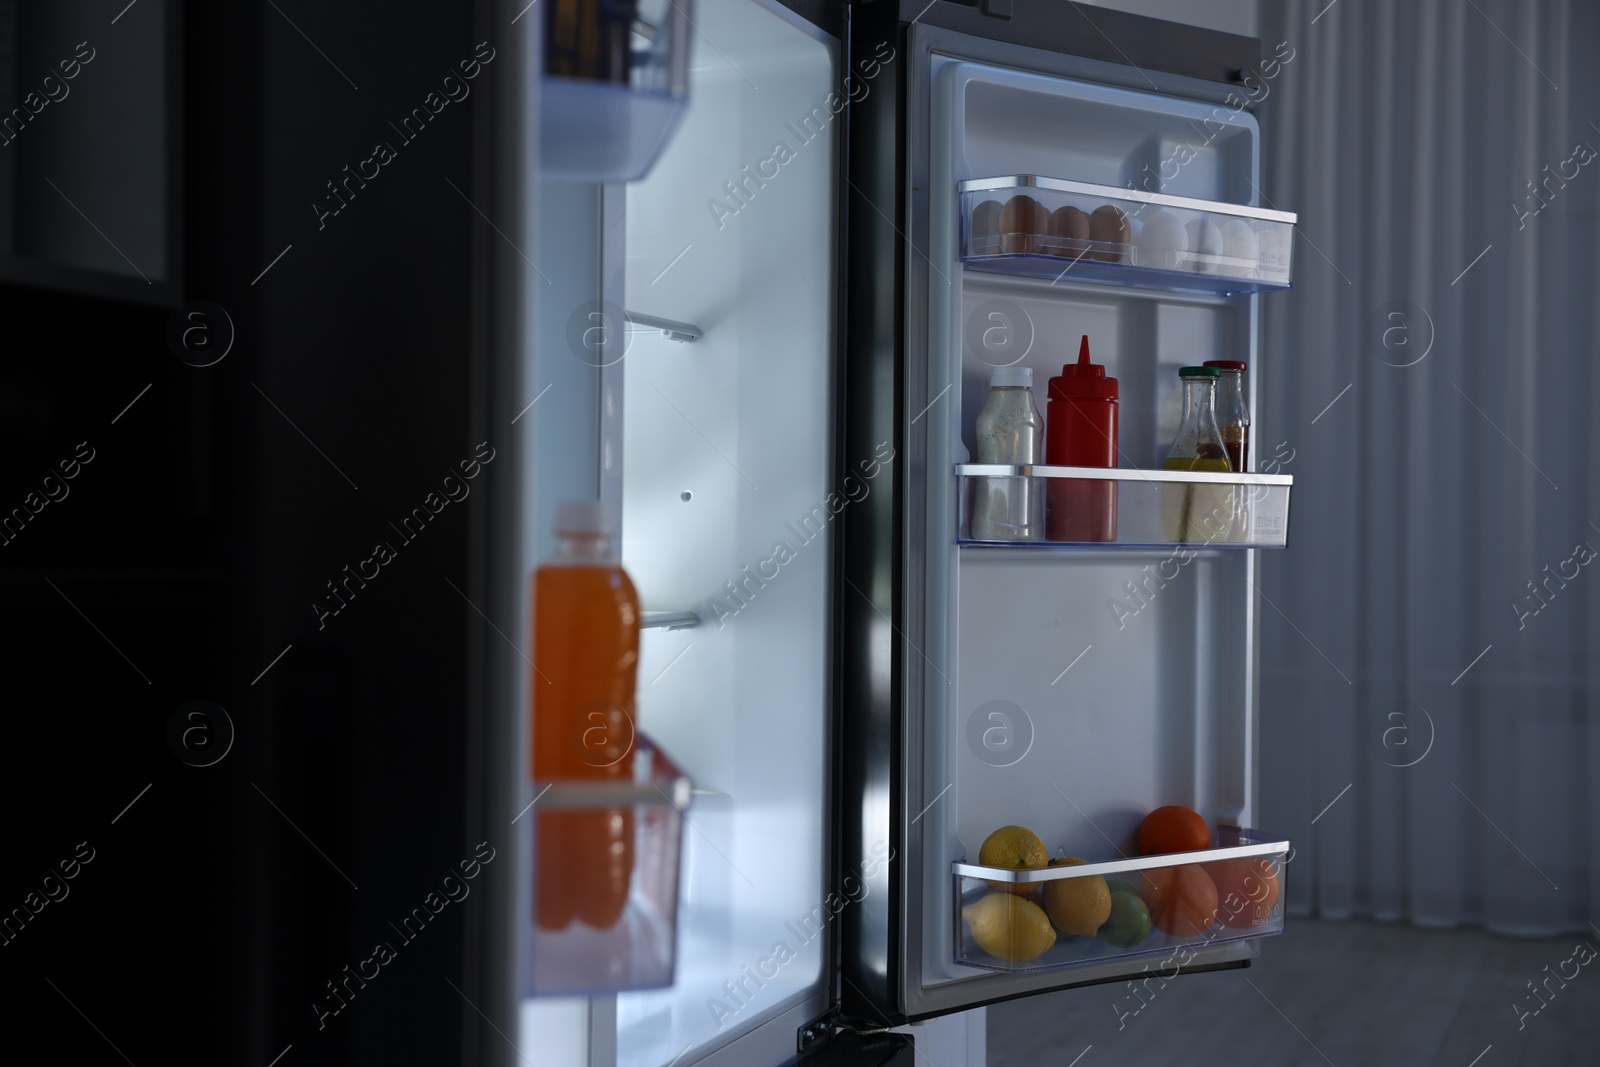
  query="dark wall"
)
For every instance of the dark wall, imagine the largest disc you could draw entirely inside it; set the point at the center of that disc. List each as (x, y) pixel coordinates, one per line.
(189, 551)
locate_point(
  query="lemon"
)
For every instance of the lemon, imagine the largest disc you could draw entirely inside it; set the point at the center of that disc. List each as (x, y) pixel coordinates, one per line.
(1077, 906)
(1008, 927)
(1017, 848)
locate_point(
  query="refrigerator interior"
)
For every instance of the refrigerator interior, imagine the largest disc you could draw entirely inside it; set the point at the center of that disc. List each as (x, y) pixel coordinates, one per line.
(719, 450)
(1071, 690)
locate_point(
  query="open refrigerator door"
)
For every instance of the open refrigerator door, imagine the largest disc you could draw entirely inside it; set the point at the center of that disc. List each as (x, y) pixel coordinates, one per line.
(689, 342)
(1068, 686)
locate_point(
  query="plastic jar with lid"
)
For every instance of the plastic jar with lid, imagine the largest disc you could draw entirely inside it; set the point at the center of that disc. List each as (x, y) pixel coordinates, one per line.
(1010, 430)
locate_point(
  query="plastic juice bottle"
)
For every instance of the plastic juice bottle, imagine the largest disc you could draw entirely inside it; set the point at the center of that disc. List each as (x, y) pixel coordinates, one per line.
(1192, 513)
(586, 658)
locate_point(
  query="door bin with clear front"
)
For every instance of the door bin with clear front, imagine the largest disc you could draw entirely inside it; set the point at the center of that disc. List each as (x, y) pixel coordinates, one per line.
(638, 949)
(1171, 905)
(616, 83)
(1155, 508)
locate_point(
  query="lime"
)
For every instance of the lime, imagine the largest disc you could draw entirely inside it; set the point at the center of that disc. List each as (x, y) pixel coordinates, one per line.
(1129, 923)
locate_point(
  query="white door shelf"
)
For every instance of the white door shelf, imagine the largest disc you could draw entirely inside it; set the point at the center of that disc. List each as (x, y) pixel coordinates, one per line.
(1171, 905)
(1040, 506)
(1061, 230)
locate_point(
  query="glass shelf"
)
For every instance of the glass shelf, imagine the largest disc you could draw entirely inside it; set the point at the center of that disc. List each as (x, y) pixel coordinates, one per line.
(1039, 506)
(1074, 231)
(634, 946)
(1170, 905)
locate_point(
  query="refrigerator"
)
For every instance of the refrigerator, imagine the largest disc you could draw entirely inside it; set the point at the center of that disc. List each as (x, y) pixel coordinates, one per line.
(766, 358)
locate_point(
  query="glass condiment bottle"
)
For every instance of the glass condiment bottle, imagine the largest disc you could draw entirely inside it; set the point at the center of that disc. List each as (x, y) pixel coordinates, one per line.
(1197, 513)
(1010, 430)
(1233, 415)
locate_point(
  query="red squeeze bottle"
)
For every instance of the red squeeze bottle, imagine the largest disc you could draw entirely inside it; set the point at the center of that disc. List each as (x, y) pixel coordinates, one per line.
(1081, 431)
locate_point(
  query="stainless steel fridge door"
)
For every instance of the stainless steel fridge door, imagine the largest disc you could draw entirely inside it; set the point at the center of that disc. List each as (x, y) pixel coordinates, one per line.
(937, 636)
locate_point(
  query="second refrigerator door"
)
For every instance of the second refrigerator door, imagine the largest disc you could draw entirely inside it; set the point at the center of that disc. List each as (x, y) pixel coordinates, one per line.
(718, 427)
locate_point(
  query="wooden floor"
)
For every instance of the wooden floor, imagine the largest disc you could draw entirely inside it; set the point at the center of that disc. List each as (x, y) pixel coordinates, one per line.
(1346, 994)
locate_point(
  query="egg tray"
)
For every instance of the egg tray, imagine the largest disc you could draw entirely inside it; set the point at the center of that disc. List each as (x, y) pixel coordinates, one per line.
(1238, 916)
(1066, 231)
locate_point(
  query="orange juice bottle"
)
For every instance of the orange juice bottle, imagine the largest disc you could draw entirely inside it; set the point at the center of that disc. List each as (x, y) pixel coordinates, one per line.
(585, 659)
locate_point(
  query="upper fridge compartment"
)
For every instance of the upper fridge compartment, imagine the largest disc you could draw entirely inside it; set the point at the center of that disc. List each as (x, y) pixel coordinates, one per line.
(1174, 183)
(1052, 228)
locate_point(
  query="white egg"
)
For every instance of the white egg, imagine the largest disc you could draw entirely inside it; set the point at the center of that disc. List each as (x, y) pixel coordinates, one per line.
(1162, 240)
(1239, 242)
(1205, 239)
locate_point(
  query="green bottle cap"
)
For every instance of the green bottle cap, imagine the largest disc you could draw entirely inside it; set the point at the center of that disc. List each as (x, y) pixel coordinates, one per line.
(1199, 372)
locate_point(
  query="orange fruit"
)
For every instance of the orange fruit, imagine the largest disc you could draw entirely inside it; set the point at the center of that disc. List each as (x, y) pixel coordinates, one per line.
(1173, 829)
(1017, 848)
(1247, 888)
(1182, 900)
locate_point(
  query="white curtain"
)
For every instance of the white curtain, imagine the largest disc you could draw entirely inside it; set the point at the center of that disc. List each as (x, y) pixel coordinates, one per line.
(1431, 642)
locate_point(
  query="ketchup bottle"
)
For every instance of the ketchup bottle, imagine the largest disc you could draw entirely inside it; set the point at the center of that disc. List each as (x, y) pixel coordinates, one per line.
(1081, 431)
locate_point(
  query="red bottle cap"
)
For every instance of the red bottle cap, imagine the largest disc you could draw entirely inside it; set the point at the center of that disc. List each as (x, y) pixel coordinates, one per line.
(1225, 364)
(1083, 380)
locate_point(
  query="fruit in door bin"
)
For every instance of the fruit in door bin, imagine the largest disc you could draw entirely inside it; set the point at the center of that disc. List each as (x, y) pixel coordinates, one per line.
(1009, 928)
(1129, 922)
(1182, 900)
(1017, 848)
(1247, 889)
(1077, 906)
(1173, 828)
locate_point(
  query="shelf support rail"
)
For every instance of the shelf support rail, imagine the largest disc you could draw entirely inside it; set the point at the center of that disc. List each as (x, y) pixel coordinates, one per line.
(672, 329)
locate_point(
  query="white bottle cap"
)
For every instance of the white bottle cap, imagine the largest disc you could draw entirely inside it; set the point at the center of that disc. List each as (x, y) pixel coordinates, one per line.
(1012, 377)
(582, 517)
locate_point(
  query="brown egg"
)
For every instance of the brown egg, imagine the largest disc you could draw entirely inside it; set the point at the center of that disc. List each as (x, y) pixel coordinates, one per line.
(1070, 228)
(1109, 224)
(1022, 222)
(983, 237)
